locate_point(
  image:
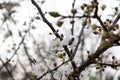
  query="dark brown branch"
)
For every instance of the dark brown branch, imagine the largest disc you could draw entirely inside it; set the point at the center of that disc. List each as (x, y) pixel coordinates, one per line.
(111, 65)
(92, 58)
(116, 19)
(69, 16)
(97, 17)
(70, 56)
(45, 20)
(73, 15)
(100, 51)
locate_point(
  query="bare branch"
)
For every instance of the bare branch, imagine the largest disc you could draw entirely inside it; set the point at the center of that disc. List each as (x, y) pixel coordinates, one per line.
(52, 70)
(111, 65)
(6, 68)
(45, 20)
(79, 40)
(92, 58)
(97, 17)
(73, 7)
(116, 19)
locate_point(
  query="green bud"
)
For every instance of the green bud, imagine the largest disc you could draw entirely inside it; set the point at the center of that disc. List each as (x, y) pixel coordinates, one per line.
(94, 26)
(59, 23)
(54, 14)
(33, 27)
(73, 11)
(105, 35)
(50, 33)
(110, 27)
(116, 9)
(37, 17)
(117, 26)
(103, 7)
(82, 7)
(60, 55)
(106, 43)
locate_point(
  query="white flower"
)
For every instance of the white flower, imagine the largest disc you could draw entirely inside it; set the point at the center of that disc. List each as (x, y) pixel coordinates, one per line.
(55, 44)
(84, 75)
(39, 69)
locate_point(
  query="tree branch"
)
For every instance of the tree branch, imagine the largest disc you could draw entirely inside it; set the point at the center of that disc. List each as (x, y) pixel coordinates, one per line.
(97, 17)
(52, 70)
(45, 20)
(55, 32)
(116, 19)
(92, 58)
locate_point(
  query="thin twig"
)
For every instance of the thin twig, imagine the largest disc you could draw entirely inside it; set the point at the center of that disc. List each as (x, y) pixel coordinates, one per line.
(73, 7)
(116, 19)
(22, 66)
(69, 16)
(6, 68)
(92, 58)
(52, 70)
(16, 49)
(111, 65)
(45, 20)
(79, 40)
(97, 17)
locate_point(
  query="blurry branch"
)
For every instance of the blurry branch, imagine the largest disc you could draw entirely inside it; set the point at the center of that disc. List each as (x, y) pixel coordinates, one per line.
(111, 65)
(25, 47)
(38, 46)
(8, 6)
(6, 68)
(73, 15)
(82, 48)
(63, 16)
(54, 31)
(16, 49)
(116, 19)
(24, 69)
(79, 40)
(52, 70)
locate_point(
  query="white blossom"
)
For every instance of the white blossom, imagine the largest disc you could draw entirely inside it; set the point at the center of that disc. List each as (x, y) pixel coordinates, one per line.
(39, 69)
(55, 44)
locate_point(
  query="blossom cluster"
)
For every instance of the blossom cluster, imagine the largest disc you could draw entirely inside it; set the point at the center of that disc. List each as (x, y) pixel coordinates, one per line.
(56, 44)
